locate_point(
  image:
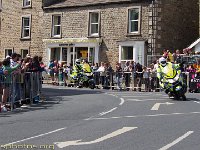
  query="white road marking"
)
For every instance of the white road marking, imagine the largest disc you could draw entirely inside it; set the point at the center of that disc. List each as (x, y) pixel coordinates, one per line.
(122, 101)
(155, 115)
(157, 105)
(35, 136)
(108, 136)
(111, 94)
(176, 141)
(196, 102)
(125, 96)
(140, 100)
(104, 113)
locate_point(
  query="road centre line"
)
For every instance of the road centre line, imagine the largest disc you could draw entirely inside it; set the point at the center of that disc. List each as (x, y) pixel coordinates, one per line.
(137, 116)
(142, 96)
(140, 100)
(141, 93)
(104, 113)
(33, 137)
(109, 111)
(111, 94)
(176, 141)
(196, 102)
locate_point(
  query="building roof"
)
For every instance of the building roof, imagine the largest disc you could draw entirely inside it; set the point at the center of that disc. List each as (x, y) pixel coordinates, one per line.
(76, 3)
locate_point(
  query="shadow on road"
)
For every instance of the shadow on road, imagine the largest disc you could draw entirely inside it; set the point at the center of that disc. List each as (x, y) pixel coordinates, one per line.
(68, 91)
(50, 98)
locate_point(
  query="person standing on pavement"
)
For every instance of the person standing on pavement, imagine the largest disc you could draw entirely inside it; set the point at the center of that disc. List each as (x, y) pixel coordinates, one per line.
(139, 76)
(7, 82)
(51, 70)
(118, 74)
(156, 65)
(134, 78)
(102, 73)
(96, 74)
(146, 75)
(13, 60)
(127, 73)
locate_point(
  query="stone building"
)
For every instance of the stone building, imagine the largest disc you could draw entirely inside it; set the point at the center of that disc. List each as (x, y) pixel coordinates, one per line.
(99, 30)
(118, 30)
(108, 31)
(21, 22)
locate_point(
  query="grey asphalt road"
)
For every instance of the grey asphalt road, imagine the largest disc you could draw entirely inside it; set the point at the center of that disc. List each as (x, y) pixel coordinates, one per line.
(84, 119)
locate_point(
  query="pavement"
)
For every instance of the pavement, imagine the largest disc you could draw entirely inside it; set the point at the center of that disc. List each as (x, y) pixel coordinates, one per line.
(84, 119)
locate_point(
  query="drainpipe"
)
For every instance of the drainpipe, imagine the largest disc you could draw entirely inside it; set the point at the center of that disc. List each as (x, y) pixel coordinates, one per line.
(152, 39)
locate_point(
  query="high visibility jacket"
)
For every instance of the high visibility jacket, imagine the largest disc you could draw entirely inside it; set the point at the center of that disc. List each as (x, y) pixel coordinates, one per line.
(87, 68)
(169, 71)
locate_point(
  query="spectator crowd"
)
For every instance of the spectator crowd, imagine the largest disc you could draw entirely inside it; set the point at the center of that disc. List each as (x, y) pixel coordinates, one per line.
(11, 67)
(131, 73)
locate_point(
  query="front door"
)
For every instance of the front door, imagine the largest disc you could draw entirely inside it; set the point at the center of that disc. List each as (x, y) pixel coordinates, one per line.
(64, 54)
(67, 55)
(70, 56)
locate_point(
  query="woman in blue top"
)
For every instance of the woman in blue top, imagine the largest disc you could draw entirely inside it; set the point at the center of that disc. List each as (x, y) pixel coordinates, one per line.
(51, 70)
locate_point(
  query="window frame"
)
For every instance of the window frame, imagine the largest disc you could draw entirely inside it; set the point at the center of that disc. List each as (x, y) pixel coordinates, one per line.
(1, 5)
(22, 52)
(90, 25)
(8, 49)
(121, 53)
(22, 27)
(26, 6)
(52, 26)
(129, 21)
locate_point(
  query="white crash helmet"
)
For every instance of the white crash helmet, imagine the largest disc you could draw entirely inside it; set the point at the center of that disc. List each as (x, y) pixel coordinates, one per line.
(163, 61)
(78, 61)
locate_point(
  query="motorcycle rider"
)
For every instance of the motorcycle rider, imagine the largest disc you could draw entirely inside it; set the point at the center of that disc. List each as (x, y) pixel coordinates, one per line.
(77, 70)
(167, 70)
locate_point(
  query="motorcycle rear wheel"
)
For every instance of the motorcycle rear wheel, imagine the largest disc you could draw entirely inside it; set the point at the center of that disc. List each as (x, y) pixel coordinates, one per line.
(184, 97)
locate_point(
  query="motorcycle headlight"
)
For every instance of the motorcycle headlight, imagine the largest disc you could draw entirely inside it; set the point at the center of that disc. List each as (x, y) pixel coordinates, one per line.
(171, 81)
(178, 88)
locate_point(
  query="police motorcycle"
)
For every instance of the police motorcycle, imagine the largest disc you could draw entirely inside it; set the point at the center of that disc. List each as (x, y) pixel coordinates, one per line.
(171, 79)
(86, 80)
(82, 75)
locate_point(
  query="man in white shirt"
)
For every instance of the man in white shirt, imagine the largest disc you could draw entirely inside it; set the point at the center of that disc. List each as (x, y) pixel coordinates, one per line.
(157, 80)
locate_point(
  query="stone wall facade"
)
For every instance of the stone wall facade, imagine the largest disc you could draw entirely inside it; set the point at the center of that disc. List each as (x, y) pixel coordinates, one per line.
(113, 26)
(11, 22)
(176, 25)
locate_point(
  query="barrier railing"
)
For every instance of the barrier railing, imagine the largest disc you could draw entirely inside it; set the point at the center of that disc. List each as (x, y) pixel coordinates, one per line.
(136, 81)
(127, 81)
(18, 89)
